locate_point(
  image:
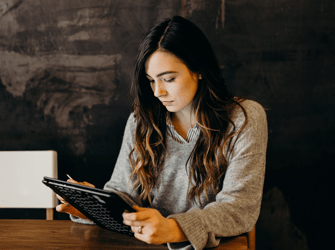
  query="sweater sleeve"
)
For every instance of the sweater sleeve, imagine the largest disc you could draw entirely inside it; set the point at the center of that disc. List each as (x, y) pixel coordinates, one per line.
(237, 205)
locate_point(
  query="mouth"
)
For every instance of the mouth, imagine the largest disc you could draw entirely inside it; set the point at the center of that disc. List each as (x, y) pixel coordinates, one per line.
(165, 103)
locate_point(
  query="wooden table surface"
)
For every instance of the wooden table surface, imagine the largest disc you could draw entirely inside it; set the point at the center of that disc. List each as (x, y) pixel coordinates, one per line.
(65, 234)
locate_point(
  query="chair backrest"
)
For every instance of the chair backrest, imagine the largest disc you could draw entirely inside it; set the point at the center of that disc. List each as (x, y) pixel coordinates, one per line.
(252, 239)
(21, 175)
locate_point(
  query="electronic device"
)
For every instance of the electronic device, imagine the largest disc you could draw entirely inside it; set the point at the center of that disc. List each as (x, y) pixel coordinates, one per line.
(103, 207)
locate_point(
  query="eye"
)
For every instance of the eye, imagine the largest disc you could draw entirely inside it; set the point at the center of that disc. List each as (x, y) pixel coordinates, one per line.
(169, 80)
(150, 81)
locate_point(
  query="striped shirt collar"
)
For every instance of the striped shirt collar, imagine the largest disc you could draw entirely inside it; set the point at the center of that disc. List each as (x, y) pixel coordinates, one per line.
(192, 133)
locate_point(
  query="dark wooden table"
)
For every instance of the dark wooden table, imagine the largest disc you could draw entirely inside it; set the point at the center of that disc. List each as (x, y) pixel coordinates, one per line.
(65, 234)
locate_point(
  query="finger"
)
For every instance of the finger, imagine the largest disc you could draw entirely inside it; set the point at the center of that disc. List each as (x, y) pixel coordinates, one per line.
(141, 236)
(85, 183)
(135, 229)
(135, 223)
(62, 200)
(135, 207)
(138, 208)
(63, 208)
(69, 209)
(72, 181)
(88, 184)
(138, 216)
(60, 197)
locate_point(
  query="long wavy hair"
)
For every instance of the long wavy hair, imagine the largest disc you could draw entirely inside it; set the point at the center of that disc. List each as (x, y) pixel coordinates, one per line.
(212, 104)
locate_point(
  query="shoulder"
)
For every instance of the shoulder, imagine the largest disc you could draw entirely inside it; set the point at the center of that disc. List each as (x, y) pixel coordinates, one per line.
(254, 112)
(131, 120)
(252, 129)
(130, 126)
(255, 116)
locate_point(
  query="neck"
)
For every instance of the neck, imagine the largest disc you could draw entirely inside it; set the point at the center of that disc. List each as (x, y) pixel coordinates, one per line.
(183, 118)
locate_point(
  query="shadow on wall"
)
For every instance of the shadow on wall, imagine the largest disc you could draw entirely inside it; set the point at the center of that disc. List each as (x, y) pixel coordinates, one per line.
(275, 225)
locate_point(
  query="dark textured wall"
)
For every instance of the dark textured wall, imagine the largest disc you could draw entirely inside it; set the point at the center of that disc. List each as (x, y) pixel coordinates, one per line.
(65, 72)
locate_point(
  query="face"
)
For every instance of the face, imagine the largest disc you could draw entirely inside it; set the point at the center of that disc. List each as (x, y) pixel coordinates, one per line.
(171, 81)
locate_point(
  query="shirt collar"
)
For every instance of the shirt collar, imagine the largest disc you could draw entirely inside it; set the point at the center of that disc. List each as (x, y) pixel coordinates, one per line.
(192, 134)
(170, 124)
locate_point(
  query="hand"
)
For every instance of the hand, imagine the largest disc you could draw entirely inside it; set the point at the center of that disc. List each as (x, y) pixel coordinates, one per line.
(69, 209)
(156, 229)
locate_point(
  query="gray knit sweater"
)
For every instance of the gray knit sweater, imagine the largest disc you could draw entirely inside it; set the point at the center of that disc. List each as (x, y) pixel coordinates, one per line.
(234, 210)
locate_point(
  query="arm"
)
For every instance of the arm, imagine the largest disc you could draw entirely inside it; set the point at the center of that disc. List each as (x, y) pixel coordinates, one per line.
(237, 205)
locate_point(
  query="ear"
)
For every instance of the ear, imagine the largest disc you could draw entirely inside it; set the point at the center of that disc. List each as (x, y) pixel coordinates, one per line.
(200, 77)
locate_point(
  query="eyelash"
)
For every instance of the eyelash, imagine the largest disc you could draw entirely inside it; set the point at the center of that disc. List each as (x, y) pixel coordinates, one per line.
(169, 80)
(165, 80)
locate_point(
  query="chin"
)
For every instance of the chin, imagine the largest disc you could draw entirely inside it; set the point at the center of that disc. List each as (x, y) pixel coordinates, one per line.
(171, 109)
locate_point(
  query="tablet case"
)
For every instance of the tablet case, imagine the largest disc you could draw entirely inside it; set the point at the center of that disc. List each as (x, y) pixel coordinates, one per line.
(103, 207)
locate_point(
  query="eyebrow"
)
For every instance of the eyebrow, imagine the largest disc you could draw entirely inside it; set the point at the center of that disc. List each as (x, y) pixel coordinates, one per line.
(163, 73)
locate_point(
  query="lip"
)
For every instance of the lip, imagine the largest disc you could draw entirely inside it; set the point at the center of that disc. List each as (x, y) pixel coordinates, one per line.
(166, 102)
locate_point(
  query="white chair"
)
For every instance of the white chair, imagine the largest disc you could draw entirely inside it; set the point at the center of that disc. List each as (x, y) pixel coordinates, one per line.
(21, 175)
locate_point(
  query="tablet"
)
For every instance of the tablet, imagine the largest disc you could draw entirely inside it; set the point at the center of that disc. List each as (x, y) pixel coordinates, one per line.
(103, 207)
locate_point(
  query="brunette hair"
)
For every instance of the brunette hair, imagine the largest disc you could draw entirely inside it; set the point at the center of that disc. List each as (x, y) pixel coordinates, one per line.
(212, 103)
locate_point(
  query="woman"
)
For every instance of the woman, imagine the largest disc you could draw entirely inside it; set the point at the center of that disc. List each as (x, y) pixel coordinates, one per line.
(193, 156)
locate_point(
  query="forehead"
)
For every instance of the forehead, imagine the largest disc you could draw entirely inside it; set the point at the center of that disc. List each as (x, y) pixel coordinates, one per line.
(160, 61)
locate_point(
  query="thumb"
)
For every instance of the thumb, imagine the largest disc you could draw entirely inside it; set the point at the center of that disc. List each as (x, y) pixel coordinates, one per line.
(138, 208)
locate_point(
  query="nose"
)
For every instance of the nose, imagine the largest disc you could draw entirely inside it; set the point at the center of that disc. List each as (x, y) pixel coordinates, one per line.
(159, 90)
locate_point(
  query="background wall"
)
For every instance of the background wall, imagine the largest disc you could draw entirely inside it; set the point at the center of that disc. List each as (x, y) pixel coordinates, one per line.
(66, 67)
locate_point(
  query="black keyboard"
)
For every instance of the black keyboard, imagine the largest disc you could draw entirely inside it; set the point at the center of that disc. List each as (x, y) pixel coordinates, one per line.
(96, 207)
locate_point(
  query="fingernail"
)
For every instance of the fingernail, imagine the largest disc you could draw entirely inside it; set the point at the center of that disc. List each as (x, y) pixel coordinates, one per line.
(65, 203)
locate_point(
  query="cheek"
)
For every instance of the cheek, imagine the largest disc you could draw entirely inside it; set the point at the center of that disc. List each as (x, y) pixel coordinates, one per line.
(192, 90)
(187, 93)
